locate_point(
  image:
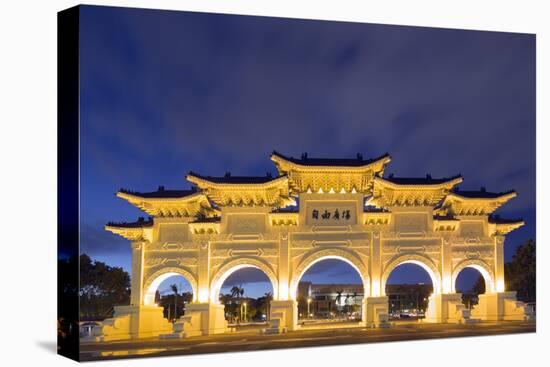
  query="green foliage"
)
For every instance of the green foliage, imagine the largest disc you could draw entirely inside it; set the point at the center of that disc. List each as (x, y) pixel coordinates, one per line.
(67, 283)
(174, 304)
(479, 286)
(251, 311)
(520, 273)
(264, 303)
(237, 291)
(101, 288)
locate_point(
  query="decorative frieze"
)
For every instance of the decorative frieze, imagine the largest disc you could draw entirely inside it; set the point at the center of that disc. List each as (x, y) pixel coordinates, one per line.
(472, 252)
(221, 251)
(172, 246)
(171, 261)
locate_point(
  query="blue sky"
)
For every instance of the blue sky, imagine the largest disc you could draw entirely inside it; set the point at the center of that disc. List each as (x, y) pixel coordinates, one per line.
(166, 92)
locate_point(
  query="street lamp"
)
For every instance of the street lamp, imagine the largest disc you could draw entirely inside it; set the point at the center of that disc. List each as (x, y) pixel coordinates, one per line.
(245, 318)
(308, 303)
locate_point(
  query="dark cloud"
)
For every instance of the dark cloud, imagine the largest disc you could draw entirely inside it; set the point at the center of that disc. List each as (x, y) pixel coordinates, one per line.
(245, 276)
(167, 92)
(95, 240)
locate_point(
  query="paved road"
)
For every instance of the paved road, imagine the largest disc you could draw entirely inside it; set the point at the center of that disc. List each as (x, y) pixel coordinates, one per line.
(249, 339)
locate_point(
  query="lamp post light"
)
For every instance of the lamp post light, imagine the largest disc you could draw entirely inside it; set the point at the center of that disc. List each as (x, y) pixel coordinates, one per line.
(245, 315)
(308, 303)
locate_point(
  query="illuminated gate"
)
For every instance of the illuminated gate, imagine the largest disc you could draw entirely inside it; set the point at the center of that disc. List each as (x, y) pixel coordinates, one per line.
(347, 211)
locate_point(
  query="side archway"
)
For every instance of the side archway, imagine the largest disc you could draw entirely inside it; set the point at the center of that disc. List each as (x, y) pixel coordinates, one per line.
(232, 266)
(420, 260)
(319, 255)
(481, 266)
(154, 280)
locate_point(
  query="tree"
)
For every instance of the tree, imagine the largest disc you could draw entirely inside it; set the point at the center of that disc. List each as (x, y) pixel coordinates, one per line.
(251, 311)
(230, 306)
(168, 301)
(479, 286)
(174, 289)
(520, 273)
(101, 288)
(264, 303)
(67, 306)
(237, 292)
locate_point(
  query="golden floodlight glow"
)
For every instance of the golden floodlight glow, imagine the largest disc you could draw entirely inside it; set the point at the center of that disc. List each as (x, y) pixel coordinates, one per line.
(230, 222)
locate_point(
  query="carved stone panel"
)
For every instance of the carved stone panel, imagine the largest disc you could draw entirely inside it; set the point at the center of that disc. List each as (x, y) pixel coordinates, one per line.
(173, 232)
(464, 252)
(471, 229)
(246, 223)
(415, 223)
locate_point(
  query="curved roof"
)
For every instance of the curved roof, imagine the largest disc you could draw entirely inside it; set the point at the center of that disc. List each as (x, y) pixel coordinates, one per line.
(185, 203)
(228, 179)
(140, 223)
(482, 194)
(329, 162)
(428, 180)
(244, 191)
(160, 193)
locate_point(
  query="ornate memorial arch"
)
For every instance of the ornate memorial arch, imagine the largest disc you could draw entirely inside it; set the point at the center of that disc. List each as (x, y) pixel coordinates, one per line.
(317, 255)
(347, 210)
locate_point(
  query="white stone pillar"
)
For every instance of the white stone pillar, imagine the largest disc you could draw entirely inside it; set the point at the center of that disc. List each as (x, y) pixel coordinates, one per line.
(284, 315)
(376, 266)
(203, 272)
(138, 256)
(447, 285)
(375, 311)
(284, 268)
(499, 263)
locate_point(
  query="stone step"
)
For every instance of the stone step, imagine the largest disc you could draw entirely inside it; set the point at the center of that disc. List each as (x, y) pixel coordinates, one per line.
(273, 330)
(172, 336)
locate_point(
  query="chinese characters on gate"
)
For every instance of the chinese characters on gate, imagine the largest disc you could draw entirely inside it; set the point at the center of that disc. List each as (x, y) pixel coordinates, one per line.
(343, 215)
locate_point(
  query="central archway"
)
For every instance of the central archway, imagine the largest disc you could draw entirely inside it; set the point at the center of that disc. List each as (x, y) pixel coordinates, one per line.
(330, 289)
(320, 255)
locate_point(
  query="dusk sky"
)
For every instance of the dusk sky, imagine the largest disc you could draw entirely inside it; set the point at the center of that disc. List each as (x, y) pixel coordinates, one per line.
(163, 93)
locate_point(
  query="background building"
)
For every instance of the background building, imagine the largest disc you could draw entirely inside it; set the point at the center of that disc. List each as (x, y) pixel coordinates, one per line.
(408, 299)
(345, 300)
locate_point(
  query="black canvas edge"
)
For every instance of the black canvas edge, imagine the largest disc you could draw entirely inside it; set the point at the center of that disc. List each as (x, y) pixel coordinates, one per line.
(68, 181)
